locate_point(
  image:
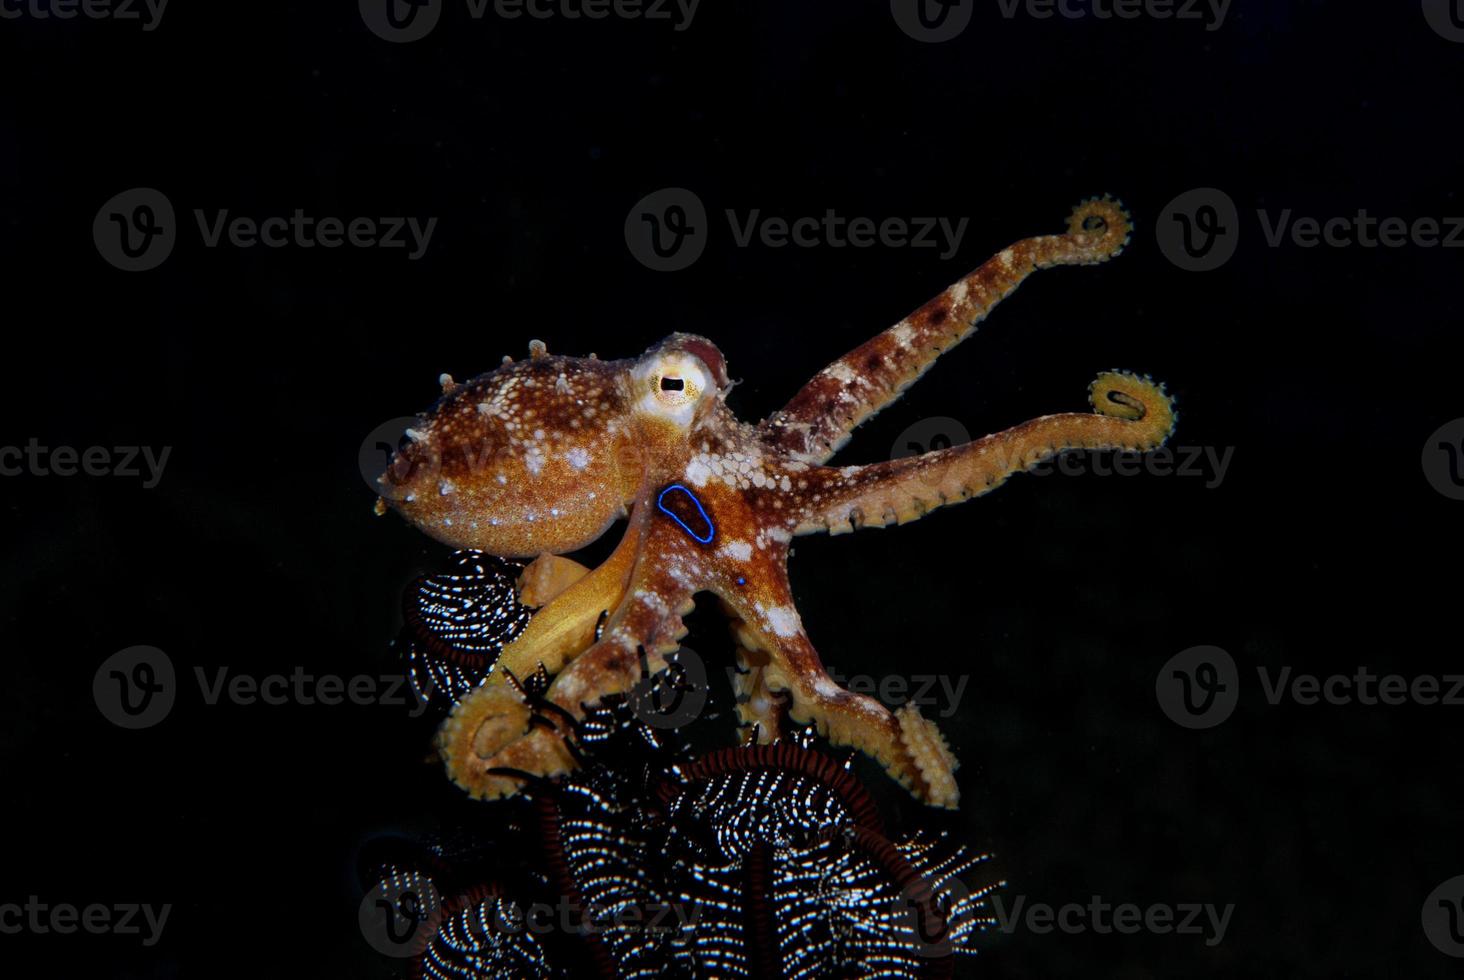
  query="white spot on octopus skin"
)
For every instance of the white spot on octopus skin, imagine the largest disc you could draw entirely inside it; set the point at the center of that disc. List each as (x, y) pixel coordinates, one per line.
(826, 688)
(578, 457)
(783, 620)
(738, 550)
(697, 472)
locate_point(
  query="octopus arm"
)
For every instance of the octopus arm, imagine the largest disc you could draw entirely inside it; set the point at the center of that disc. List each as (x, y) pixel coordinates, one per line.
(498, 734)
(1131, 413)
(823, 415)
(909, 746)
(566, 624)
(634, 645)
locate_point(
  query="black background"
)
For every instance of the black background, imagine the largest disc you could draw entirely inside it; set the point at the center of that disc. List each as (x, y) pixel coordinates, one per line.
(1326, 369)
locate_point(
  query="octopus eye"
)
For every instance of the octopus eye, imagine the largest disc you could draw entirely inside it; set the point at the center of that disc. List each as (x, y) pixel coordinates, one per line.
(674, 392)
(678, 384)
(673, 385)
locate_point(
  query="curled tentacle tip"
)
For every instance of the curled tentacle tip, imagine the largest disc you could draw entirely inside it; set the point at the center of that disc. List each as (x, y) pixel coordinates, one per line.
(1135, 398)
(1100, 227)
(480, 724)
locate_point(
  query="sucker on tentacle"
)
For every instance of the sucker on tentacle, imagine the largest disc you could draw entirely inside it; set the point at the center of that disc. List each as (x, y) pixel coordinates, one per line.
(539, 457)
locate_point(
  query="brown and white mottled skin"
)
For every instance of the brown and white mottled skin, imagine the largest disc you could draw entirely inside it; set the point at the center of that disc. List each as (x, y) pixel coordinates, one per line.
(540, 457)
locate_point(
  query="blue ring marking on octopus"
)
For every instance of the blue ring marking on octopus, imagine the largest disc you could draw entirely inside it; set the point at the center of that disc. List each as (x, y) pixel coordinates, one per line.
(711, 530)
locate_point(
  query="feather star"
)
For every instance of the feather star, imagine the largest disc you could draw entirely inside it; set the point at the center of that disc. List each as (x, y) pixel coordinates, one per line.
(540, 457)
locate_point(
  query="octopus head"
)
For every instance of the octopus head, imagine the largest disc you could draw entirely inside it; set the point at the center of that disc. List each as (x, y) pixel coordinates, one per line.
(536, 457)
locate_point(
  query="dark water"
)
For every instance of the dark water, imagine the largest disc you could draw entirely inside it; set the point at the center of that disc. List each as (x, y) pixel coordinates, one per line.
(1318, 372)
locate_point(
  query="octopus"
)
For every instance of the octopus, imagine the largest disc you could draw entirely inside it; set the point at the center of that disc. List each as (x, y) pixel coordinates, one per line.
(541, 457)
